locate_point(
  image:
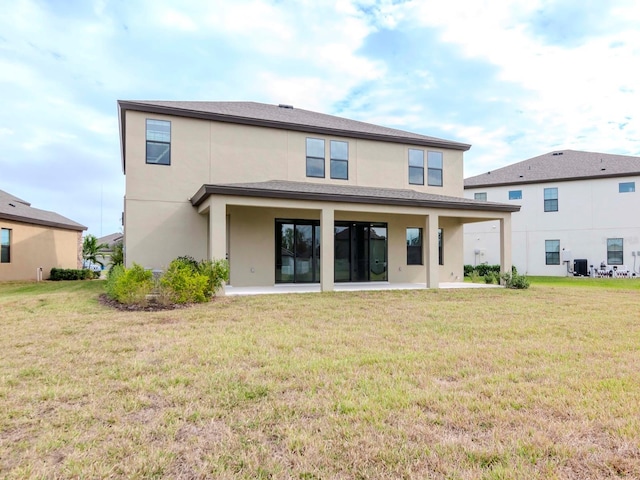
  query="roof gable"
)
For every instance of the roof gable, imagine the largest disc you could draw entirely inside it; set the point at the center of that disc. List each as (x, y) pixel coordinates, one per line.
(562, 165)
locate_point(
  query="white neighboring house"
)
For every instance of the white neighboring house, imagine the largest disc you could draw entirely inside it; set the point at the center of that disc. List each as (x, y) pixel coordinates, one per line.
(579, 209)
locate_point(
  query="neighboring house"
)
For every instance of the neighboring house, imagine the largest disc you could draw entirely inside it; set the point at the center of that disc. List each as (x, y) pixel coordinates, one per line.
(294, 196)
(33, 239)
(575, 206)
(110, 241)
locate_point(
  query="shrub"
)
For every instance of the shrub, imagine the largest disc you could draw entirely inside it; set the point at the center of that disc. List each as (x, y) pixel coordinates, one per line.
(129, 285)
(216, 271)
(183, 283)
(475, 276)
(491, 277)
(514, 280)
(58, 274)
(188, 281)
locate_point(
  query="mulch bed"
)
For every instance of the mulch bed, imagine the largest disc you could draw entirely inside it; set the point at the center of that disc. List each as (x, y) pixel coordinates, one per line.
(149, 307)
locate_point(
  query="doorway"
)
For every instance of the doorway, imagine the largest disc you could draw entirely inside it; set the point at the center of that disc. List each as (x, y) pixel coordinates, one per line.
(360, 252)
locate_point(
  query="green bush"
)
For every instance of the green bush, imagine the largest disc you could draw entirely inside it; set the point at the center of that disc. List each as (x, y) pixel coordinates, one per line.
(514, 280)
(491, 278)
(217, 272)
(189, 281)
(129, 285)
(183, 283)
(58, 274)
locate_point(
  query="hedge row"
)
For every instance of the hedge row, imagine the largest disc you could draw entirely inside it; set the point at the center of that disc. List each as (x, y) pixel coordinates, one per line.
(58, 274)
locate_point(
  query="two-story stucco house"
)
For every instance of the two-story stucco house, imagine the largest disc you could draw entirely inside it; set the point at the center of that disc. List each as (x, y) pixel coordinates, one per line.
(578, 209)
(293, 196)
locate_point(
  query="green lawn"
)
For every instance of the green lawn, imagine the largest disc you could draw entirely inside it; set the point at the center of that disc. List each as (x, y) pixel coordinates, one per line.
(452, 384)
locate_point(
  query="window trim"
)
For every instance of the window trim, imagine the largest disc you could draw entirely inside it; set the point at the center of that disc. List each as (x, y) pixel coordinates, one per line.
(616, 261)
(435, 169)
(333, 161)
(5, 246)
(549, 205)
(157, 142)
(415, 249)
(416, 168)
(311, 157)
(551, 251)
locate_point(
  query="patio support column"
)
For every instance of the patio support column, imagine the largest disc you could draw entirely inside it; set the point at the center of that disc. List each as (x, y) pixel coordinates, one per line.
(327, 240)
(431, 241)
(217, 228)
(505, 244)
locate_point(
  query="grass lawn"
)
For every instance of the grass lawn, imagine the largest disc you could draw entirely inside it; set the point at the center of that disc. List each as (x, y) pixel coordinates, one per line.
(458, 384)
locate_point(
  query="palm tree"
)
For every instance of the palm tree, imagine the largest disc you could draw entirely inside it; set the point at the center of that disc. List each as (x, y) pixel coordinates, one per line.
(91, 250)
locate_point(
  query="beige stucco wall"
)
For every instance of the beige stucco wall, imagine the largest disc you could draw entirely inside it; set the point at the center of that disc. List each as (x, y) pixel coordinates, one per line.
(35, 246)
(161, 223)
(204, 151)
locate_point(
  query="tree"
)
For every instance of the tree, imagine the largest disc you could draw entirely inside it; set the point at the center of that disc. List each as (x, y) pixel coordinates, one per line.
(117, 257)
(91, 250)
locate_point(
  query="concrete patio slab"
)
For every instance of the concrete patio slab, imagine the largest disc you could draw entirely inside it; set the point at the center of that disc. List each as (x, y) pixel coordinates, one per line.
(344, 287)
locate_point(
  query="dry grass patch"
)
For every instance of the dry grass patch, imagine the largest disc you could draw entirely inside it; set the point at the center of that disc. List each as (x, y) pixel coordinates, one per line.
(459, 384)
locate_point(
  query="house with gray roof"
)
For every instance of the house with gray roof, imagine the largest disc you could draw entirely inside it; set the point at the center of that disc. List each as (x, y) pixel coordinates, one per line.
(578, 214)
(289, 196)
(33, 241)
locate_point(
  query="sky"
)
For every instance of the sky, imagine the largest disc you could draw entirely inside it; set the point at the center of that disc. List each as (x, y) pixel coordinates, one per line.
(515, 79)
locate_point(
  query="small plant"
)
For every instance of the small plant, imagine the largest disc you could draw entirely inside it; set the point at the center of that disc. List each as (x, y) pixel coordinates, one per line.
(475, 276)
(514, 280)
(189, 281)
(217, 272)
(129, 285)
(491, 278)
(183, 283)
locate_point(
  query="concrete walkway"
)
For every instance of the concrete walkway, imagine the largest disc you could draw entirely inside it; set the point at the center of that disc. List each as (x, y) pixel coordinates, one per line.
(345, 287)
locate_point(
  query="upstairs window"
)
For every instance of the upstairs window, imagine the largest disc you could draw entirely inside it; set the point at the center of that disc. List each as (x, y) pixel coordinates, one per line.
(416, 167)
(5, 245)
(480, 196)
(626, 187)
(339, 160)
(615, 254)
(434, 174)
(414, 246)
(158, 142)
(552, 252)
(550, 199)
(515, 194)
(315, 157)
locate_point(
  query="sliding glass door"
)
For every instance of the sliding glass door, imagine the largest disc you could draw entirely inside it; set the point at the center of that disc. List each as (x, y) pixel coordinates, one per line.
(360, 252)
(297, 251)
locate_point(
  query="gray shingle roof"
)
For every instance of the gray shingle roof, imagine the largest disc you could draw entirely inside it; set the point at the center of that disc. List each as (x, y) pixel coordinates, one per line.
(13, 208)
(275, 116)
(111, 239)
(347, 194)
(561, 165)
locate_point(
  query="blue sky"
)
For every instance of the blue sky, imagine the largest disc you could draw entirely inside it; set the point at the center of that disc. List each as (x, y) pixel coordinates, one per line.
(515, 79)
